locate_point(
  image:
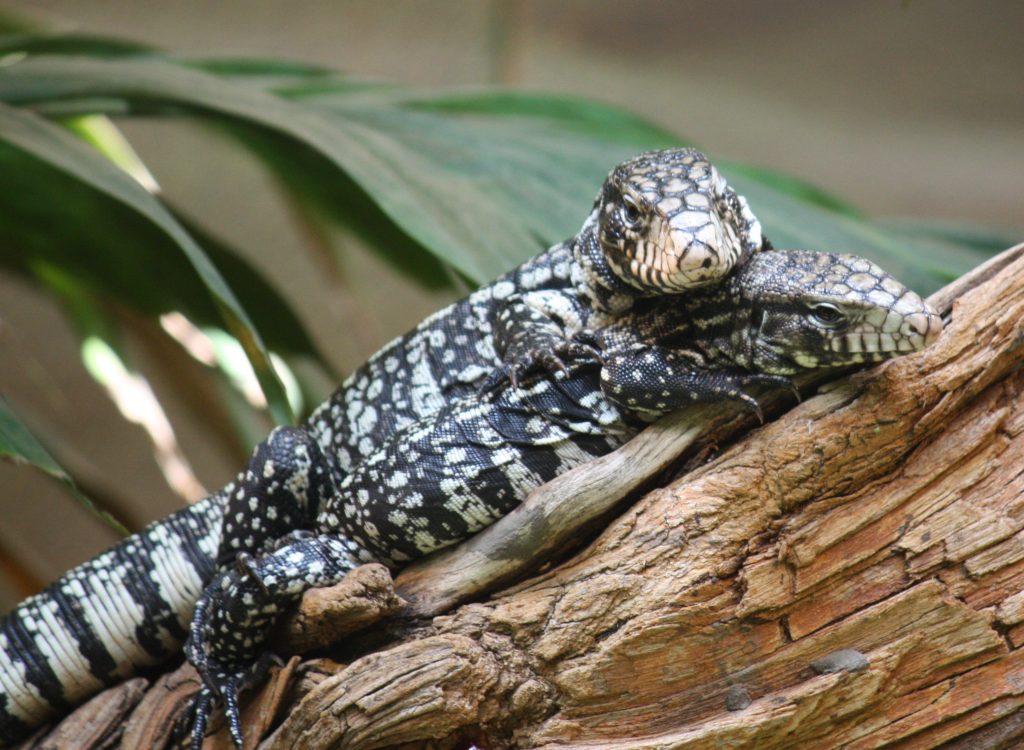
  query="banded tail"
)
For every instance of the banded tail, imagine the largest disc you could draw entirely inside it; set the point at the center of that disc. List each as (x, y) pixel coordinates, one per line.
(101, 622)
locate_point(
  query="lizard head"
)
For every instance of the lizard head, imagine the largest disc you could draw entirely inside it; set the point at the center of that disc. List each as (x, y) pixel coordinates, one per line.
(825, 310)
(667, 221)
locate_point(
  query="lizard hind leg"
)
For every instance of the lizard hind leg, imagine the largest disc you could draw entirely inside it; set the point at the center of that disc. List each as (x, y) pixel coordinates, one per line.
(288, 478)
(227, 641)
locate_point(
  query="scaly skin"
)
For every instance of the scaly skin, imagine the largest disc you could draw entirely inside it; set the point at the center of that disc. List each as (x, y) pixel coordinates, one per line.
(453, 471)
(664, 223)
(782, 313)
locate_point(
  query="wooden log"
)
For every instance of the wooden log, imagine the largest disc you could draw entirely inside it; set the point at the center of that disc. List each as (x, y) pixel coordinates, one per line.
(882, 520)
(849, 575)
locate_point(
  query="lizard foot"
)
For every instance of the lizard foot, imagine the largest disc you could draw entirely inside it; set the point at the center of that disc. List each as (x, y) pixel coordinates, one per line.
(560, 358)
(232, 619)
(225, 644)
(221, 685)
(768, 381)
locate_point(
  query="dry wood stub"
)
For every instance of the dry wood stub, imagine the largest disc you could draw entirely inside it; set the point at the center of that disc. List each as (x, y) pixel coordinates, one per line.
(885, 515)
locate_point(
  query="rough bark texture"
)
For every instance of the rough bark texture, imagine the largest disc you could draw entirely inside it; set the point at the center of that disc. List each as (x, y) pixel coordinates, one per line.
(850, 575)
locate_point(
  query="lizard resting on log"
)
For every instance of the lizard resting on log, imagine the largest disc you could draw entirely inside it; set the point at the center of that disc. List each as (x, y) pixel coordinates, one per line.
(448, 428)
(850, 575)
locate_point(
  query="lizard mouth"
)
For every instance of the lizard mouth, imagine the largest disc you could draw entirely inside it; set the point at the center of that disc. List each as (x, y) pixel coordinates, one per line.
(901, 333)
(662, 268)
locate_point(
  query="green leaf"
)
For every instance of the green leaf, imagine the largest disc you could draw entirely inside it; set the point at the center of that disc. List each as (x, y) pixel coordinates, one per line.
(137, 265)
(481, 192)
(55, 148)
(325, 194)
(573, 114)
(14, 23)
(100, 133)
(483, 195)
(480, 180)
(922, 263)
(263, 70)
(19, 445)
(71, 44)
(485, 189)
(160, 87)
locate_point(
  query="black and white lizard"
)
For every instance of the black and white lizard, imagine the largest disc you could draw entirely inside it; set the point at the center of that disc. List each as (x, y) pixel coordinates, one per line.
(405, 458)
(782, 313)
(663, 222)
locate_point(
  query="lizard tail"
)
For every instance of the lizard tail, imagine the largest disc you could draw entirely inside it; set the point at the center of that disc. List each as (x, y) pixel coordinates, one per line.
(102, 621)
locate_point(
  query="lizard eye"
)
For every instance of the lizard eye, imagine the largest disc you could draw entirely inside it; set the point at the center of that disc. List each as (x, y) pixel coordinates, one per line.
(827, 315)
(630, 212)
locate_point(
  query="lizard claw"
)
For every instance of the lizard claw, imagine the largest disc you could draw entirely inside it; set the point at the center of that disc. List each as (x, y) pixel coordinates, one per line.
(751, 403)
(223, 685)
(582, 349)
(229, 692)
(498, 377)
(770, 381)
(549, 361)
(560, 358)
(777, 381)
(586, 344)
(203, 703)
(193, 720)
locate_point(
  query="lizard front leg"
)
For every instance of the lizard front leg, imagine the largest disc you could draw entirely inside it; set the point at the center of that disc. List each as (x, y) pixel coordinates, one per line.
(270, 507)
(535, 330)
(654, 379)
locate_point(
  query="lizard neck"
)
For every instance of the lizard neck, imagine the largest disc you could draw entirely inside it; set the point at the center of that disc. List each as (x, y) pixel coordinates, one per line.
(723, 325)
(593, 278)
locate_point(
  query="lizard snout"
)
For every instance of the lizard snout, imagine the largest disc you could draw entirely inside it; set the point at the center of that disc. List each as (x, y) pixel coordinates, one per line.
(924, 326)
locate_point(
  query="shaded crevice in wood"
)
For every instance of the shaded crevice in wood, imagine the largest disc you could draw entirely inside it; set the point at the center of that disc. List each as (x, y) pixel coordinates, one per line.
(884, 516)
(152, 724)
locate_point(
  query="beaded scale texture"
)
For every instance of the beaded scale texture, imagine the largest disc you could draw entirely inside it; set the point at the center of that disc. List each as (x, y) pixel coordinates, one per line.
(667, 295)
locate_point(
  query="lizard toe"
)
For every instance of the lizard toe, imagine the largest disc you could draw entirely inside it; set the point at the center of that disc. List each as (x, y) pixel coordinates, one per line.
(194, 719)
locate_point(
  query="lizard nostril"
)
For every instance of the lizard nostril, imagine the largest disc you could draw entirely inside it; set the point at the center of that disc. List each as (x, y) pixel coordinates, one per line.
(928, 325)
(918, 323)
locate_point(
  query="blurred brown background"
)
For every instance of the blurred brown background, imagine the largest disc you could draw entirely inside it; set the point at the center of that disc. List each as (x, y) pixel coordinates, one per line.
(907, 108)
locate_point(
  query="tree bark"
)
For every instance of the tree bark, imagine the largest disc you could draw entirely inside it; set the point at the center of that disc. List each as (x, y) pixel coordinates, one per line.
(848, 575)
